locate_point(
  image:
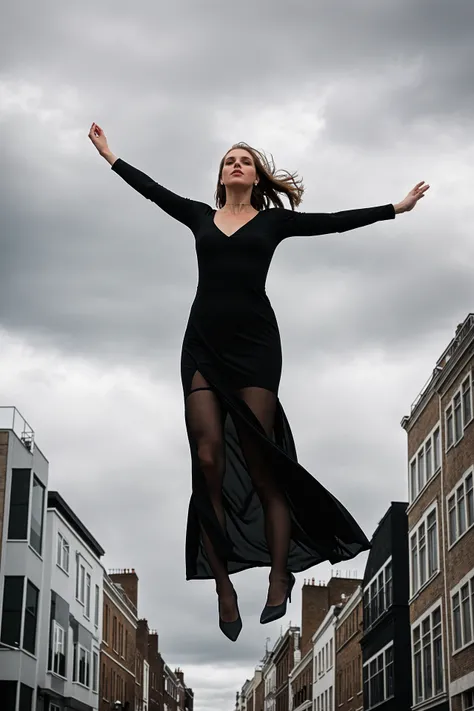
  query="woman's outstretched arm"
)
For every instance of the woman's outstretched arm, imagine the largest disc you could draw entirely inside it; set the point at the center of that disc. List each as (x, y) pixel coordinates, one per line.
(294, 223)
(182, 209)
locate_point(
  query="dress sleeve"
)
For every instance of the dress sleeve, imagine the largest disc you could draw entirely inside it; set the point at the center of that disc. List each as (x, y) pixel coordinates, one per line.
(292, 224)
(182, 209)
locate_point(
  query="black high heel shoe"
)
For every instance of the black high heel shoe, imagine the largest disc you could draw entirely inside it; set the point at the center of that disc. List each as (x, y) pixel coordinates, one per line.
(232, 629)
(271, 613)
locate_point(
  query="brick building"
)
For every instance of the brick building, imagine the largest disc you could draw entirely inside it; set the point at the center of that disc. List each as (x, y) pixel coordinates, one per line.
(348, 654)
(386, 622)
(440, 430)
(284, 657)
(301, 682)
(157, 669)
(119, 640)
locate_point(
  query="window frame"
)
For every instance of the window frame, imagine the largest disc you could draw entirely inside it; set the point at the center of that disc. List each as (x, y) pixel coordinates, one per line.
(452, 496)
(418, 625)
(432, 445)
(456, 591)
(78, 648)
(366, 680)
(451, 409)
(62, 545)
(36, 480)
(36, 617)
(369, 620)
(56, 627)
(422, 523)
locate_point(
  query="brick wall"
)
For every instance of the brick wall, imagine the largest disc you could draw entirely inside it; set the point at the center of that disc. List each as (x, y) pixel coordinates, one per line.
(348, 669)
(259, 696)
(118, 654)
(316, 602)
(3, 481)
(128, 579)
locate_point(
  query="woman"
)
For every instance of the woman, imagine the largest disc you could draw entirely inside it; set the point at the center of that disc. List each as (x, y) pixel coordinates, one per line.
(252, 504)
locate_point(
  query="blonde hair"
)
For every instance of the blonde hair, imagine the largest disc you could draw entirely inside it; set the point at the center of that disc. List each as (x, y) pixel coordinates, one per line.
(271, 184)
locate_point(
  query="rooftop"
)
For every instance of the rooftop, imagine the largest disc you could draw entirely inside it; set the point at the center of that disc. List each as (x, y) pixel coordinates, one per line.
(55, 501)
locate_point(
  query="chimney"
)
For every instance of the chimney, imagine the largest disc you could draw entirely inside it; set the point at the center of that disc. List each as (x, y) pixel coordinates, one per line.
(314, 608)
(338, 587)
(142, 637)
(180, 675)
(128, 579)
(153, 641)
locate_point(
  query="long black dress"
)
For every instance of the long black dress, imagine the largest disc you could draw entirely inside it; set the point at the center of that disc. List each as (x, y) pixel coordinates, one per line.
(232, 339)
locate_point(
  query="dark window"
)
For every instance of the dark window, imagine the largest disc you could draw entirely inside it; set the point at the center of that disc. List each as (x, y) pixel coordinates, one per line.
(31, 616)
(37, 506)
(19, 500)
(12, 609)
(26, 698)
(8, 695)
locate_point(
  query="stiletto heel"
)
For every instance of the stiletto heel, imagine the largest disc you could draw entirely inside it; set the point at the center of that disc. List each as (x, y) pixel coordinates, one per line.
(270, 613)
(232, 629)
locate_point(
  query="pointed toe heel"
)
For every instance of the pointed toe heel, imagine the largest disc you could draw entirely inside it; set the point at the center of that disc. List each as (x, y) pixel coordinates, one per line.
(234, 628)
(270, 613)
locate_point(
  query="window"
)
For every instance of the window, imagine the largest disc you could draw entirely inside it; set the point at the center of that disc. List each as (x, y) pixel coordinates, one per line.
(12, 610)
(58, 650)
(80, 580)
(378, 595)
(37, 509)
(95, 672)
(62, 553)
(459, 413)
(425, 464)
(31, 618)
(379, 677)
(424, 551)
(114, 634)
(106, 624)
(461, 508)
(87, 611)
(449, 427)
(8, 694)
(462, 605)
(428, 680)
(467, 409)
(96, 605)
(26, 698)
(468, 700)
(19, 504)
(82, 664)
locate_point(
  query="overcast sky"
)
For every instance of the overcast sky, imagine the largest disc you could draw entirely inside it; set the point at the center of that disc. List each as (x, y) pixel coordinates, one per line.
(363, 99)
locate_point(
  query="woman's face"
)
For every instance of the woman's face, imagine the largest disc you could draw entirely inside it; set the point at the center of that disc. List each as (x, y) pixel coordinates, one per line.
(238, 169)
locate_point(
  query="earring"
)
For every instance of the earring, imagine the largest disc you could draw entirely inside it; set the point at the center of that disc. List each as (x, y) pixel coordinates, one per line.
(256, 183)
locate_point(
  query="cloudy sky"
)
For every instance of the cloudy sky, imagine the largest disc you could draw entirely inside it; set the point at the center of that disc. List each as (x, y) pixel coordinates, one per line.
(363, 99)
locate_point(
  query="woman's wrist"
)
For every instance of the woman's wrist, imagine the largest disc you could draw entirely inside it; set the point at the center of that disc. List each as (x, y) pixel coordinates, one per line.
(109, 156)
(398, 208)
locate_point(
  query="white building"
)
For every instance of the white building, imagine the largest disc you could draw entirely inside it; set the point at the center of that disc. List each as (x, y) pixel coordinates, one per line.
(269, 681)
(71, 613)
(324, 642)
(23, 485)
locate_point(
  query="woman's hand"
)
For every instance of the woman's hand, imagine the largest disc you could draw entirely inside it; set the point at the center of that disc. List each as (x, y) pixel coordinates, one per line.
(99, 140)
(412, 198)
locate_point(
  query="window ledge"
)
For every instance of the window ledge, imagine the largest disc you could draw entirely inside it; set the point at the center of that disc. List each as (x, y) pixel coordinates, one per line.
(423, 587)
(425, 487)
(430, 703)
(56, 675)
(38, 555)
(79, 683)
(452, 545)
(66, 572)
(461, 649)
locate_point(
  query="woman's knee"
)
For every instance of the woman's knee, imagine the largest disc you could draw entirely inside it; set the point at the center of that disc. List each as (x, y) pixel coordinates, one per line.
(211, 460)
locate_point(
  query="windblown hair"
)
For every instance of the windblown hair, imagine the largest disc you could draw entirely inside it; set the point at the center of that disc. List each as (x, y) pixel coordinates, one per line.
(272, 183)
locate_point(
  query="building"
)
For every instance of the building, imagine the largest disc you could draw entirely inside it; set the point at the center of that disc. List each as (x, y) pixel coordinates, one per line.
(286, 655)
(269, 681)
(71, 613)
(348, 672)
(152, 656)
(187, 694)
(118, 653)
(323, 660)
(440, 433)
(173, 696)
(23, 486)
(386, 621)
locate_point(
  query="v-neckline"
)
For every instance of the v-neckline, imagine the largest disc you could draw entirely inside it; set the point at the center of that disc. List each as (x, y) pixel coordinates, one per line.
(238, 229)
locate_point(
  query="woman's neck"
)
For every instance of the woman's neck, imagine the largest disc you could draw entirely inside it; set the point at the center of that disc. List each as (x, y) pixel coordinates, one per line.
(238, 200)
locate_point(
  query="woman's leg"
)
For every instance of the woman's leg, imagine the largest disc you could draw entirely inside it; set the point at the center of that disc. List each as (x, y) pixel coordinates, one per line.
(204, 421)
(277, 514)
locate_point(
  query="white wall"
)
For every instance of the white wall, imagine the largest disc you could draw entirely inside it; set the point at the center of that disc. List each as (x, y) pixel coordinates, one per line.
(64, 584)
(19, 558)
(324, 644)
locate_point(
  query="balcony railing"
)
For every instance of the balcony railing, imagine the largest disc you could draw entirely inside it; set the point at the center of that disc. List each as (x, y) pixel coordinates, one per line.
(11, 419)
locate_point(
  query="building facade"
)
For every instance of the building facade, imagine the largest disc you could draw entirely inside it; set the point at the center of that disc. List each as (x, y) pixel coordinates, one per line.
(71, 613)
(348, 653)
(118, 653)
(23, 486)
(386, 621)
(323, 661)
(440, 432)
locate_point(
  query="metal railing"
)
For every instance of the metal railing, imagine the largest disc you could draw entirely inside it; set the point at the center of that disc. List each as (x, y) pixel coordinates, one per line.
(12, 419)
